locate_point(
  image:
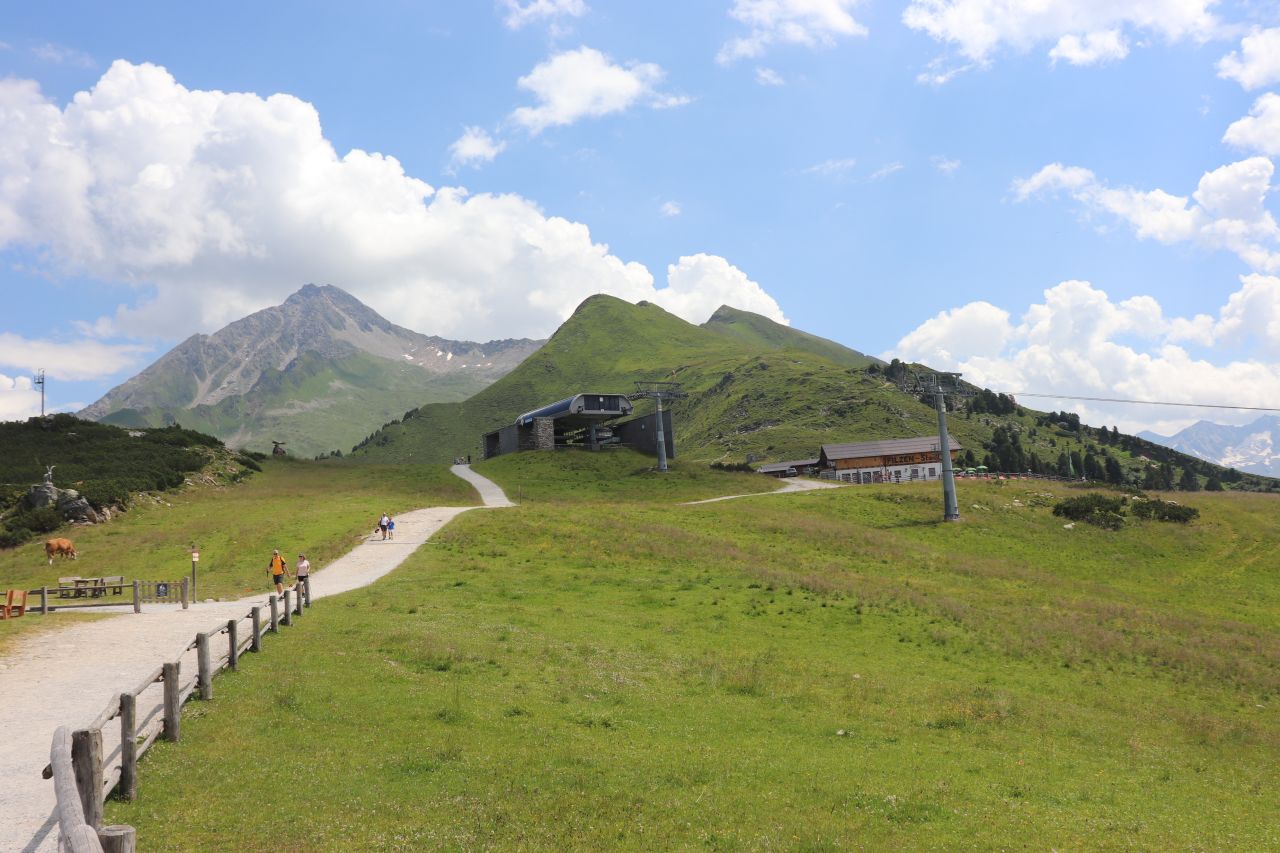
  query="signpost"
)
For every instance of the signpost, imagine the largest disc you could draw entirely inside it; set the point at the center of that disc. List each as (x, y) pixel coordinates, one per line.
(195, 558)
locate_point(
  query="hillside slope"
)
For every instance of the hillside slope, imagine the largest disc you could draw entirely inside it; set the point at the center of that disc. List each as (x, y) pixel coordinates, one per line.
(762, 334)
(317, 372)
(757, 401)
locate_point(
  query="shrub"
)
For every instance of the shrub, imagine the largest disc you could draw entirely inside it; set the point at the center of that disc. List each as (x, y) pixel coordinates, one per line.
(1094, 508)
(1159, 510)
(249, 462)
(732, 466)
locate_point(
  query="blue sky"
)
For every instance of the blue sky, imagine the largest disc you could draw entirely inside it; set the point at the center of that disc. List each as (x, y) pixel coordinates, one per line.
(1056, 196)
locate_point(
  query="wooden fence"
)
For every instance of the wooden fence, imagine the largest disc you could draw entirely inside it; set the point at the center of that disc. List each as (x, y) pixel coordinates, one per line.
(83, 778)
(160, 592)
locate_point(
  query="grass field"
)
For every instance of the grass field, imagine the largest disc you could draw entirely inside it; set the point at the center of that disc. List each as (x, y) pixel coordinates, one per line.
(826, 670)
(316, 508)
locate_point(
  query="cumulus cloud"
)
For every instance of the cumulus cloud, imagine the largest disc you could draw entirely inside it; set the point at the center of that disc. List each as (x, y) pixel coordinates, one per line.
(670, 208)
(473, 147)
(1257, 63)
(1080, 32)
(585, 83)
(71, 360)
(1260, 130)
(18, 399)
(699, 284)
(944, 165)
(519, 14)
(1091, 48)
(1080, 342)
(809, 23)
(217, 204)
(1227, 210)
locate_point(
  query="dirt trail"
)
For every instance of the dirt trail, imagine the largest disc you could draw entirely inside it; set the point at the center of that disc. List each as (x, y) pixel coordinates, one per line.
(67, 676)
(788, 486)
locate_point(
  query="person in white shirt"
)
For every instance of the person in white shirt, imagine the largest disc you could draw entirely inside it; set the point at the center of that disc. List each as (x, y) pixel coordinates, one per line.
(302, 571)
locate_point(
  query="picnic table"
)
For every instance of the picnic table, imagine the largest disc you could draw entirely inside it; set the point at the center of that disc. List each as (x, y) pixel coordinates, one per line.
(78, 587)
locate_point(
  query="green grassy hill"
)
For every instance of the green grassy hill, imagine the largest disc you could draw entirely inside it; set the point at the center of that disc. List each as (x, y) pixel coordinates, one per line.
(762, 391)
(761, 334)
(601, 668)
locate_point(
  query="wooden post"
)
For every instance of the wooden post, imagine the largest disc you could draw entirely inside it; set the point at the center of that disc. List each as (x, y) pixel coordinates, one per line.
(86, 761)
(185, 596)
(306, 588)
(297, 605)
(172, 710)
(233, 653)
(204, 676)
(137, 597)
(288, 608)
(128, 746)
(118, 838)
(275, 613)
(255, 640)
(44, 601)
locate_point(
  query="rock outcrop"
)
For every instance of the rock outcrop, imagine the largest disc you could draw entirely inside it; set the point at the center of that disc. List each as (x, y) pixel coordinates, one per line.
(68, 502)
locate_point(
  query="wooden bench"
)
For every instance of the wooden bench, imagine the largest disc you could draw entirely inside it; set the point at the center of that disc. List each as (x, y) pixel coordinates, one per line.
(14, 600)
(67, 586)
(114, 583)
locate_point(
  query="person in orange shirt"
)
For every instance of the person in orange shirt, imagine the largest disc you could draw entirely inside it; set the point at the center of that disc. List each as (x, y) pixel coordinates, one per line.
(278, 572)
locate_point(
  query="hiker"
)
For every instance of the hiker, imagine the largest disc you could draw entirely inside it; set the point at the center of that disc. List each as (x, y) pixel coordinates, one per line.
(468, 458)
(277, 571)
(302, 572)
(391, 528)
(382, 524)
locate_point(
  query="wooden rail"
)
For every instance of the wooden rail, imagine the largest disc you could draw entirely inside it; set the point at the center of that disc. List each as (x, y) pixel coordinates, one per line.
(83, 779)
(175, 592)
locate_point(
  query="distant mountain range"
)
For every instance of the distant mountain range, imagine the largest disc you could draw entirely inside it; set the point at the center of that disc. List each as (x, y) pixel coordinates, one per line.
(318, 372)
(1253, 448)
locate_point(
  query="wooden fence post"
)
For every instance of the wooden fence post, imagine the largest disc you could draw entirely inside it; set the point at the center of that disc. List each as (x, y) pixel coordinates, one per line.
(172, 708)
(306, 588)
(255, 639)
(44, 601)
(275, 613)
(137, 597)
(233, 650)
(86, 761)
(118, 838)
(128, 746)
(185, 596)
(204, 675)
(297, 605)
(288, 609)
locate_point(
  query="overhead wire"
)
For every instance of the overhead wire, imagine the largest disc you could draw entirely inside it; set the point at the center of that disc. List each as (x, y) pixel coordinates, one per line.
(1147, 402)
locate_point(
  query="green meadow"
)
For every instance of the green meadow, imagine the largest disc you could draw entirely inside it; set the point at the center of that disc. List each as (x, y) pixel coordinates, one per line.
(825, 670)
(321, 509)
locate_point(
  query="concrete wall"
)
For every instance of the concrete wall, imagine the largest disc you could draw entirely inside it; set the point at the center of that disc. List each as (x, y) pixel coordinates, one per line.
(642, 433)
(540, 435)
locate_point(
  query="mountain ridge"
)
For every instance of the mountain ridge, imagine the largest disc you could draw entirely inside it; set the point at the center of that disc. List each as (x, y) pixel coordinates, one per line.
(1253, 447)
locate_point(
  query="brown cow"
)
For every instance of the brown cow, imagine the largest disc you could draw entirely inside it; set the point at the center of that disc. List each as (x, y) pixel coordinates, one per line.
(55, 547)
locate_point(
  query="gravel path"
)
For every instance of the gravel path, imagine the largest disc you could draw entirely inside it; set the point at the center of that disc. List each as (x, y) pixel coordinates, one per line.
(788, 486)
(67, 676)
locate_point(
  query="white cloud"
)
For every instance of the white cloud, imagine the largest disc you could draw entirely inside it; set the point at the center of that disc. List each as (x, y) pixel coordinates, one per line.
(699, 284)
(75, 360)
(62, 55)
(670, 208)
(519, 14)
(944, 165)
(1090, 49)
(586, 83)
(886, 170)
(769, 77)
(217, 204)
(1258, 61)
(1080, 32)
(834, 167)
(1227, 210)
(1260, 130)
(809, 23)
(474, 147)
(1079, 342)
(18, 399)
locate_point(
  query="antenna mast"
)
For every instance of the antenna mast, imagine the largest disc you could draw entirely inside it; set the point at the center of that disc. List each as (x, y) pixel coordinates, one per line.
(39, 380)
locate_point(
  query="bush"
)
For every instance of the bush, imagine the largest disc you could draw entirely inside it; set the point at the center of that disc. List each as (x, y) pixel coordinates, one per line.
(249, 462)
(1154, 508)
(1106, 511)
(732, 466)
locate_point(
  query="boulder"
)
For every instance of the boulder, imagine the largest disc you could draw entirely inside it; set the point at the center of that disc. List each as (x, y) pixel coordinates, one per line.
(68, 502)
